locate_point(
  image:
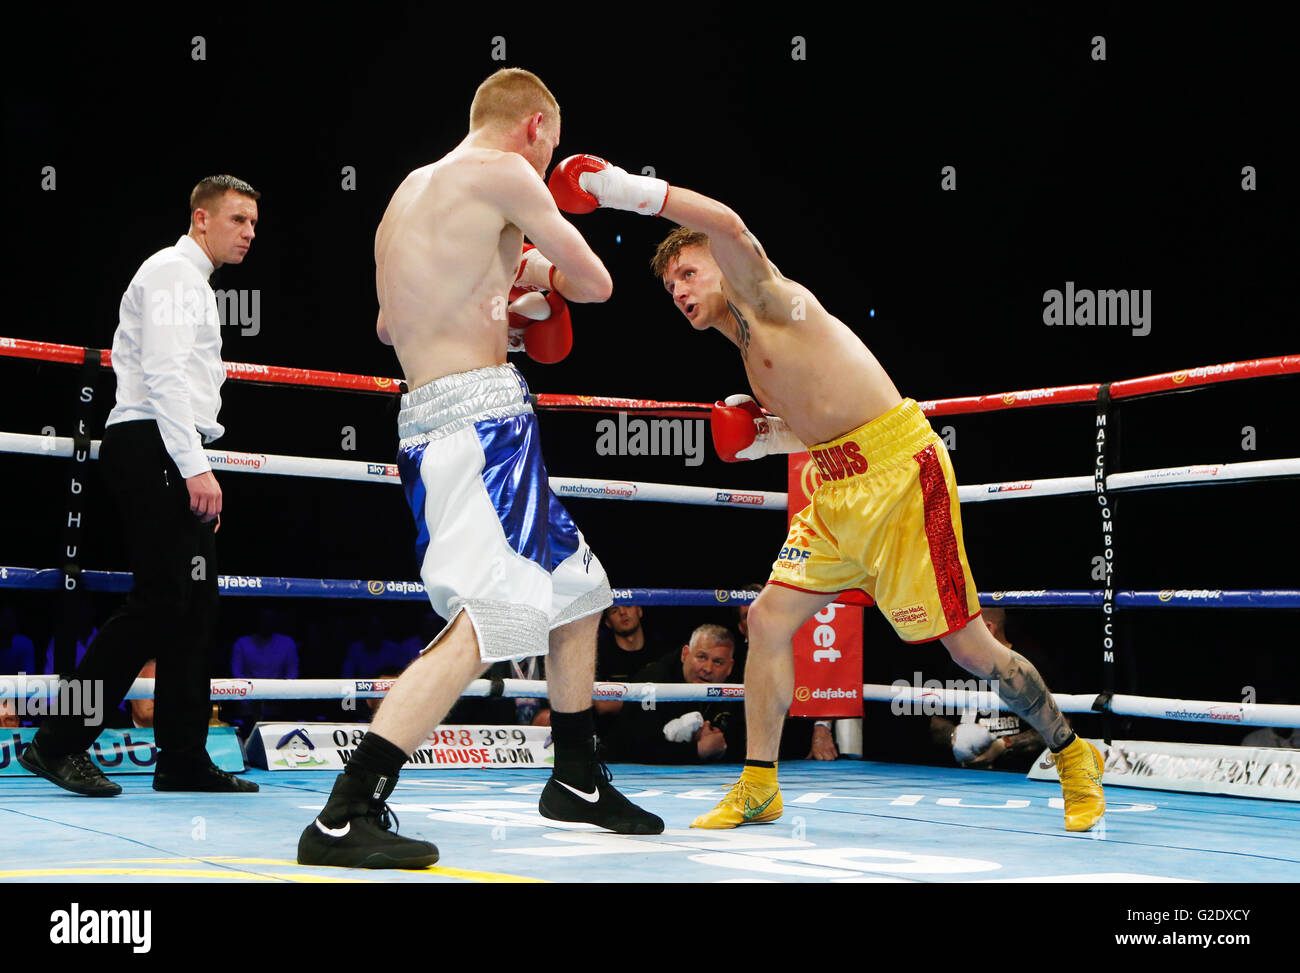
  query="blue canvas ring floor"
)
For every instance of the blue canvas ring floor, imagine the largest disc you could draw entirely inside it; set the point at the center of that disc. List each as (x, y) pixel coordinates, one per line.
(848, 821)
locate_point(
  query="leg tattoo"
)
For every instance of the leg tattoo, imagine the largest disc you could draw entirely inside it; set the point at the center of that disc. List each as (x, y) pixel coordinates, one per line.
(1020, 685)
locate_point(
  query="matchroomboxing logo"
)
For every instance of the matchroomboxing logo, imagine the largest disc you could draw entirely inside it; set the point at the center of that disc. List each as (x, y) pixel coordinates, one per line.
(237, 461)
(231, 688)
(620, 490)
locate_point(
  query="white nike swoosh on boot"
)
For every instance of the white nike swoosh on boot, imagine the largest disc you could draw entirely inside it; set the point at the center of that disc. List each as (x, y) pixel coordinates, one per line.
(335, 832)
(591, 798)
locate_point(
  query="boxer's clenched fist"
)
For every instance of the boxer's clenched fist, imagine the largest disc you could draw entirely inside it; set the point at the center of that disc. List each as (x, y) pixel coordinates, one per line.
(581, 183)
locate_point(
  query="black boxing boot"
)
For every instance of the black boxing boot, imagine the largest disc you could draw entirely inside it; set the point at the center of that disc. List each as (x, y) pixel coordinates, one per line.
(355, 829)
(580, 788)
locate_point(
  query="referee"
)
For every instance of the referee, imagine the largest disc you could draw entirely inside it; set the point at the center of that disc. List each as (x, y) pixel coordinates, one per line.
(167, 359)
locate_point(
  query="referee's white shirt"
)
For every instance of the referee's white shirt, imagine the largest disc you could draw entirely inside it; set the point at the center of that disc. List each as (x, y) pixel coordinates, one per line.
(167, 353)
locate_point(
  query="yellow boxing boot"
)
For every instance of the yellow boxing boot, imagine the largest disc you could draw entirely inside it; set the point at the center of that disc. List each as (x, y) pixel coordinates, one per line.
(754, 799)
(1080, 768)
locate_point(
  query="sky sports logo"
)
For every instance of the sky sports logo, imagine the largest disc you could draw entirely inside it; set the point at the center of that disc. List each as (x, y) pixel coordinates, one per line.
(715, 692)
(753, 499)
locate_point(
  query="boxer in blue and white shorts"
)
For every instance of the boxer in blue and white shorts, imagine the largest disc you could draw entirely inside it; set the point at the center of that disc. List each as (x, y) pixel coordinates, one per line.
(504, 563)
(493, 539)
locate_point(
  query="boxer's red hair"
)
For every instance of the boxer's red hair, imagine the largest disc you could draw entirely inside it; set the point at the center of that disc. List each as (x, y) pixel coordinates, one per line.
(509, 95)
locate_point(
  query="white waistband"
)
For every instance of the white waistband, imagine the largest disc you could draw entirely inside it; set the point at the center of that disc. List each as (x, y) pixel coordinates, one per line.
(449, 404)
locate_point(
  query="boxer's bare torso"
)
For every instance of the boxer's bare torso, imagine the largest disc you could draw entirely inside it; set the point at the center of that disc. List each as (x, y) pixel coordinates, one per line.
(803, 363)
(445, 257)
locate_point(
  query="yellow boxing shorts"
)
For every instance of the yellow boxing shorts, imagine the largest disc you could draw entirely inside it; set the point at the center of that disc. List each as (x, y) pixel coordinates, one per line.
(884, 520)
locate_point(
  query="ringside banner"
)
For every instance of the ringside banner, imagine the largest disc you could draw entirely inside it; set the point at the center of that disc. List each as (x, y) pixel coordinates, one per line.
(124, 751)
(329, 746)
(1198, 768)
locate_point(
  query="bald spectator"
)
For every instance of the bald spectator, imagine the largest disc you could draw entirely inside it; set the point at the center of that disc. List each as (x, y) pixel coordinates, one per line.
(698, 731)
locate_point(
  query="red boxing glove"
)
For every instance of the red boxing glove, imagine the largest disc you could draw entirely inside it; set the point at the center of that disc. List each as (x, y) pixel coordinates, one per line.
(550, 340)
(735, 427)
(564, 186)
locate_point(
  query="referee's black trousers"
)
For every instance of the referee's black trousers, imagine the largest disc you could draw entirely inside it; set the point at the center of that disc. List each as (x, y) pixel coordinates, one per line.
(171, 612)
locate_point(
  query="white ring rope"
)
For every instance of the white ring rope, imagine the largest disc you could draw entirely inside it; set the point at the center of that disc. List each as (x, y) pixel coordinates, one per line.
(648, 693)
(339, 469)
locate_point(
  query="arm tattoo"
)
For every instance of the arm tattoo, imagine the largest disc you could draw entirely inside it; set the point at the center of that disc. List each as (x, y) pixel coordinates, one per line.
(758, 249)
(1022, 688)
(742, 330)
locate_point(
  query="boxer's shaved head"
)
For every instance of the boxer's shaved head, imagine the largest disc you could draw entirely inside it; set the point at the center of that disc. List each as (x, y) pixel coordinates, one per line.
(509, 95)
(673, 245)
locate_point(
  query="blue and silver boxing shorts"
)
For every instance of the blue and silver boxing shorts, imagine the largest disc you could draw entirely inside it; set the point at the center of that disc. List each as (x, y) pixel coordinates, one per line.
(493, 540)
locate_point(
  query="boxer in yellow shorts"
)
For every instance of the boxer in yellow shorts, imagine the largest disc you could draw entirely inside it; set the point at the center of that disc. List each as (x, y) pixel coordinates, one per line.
(886, 519)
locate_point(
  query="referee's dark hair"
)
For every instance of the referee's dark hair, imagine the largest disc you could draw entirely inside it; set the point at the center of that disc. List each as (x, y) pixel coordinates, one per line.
(211, 189)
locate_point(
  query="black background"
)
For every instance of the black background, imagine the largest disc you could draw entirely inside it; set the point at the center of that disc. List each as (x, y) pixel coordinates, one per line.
(1124, 173)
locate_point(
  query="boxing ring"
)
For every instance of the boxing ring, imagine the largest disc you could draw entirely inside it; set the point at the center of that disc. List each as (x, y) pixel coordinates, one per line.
(846, 821)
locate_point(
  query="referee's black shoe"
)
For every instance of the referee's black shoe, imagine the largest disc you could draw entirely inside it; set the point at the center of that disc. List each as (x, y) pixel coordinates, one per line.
(75, 772)
(602, 806)
(201, 775)
(355, 829)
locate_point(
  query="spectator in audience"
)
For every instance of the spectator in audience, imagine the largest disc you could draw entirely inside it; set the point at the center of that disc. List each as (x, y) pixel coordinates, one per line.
(622, 650)
(266, 653)
(1003, 741)
(17, 654)
(1273, 736)
(802, 736)
(141, 710)
(687, 732)
(9, 715)
(373, 654)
